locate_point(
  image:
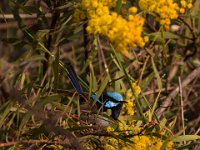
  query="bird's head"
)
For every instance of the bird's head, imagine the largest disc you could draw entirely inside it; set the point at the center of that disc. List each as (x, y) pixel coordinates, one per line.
(110, 100)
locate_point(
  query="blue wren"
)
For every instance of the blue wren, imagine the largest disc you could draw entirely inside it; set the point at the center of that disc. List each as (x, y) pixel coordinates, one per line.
(109, 100)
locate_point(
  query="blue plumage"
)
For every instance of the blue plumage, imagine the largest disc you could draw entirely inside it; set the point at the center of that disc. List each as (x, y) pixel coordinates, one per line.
(115, 95)
(109, 100)
(114, 99)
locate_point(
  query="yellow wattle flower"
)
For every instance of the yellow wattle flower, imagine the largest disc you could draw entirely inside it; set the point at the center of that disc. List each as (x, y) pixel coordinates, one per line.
(132, 10)
(136, 88)
(165, 10)
(121, 32)
(189, 5)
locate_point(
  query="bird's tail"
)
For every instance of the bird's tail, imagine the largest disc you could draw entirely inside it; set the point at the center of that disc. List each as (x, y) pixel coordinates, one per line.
(74, 79)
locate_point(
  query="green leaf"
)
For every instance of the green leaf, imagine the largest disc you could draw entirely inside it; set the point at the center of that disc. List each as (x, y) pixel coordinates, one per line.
(39, 105)
(30, 9)
(165, 35)
(5, 110)
(56, 69)
(189, 146)
(119, 60)
(119, 82)
(41, 34)
(102, 88)
(35, 58)
(15, 41)
(118, 6)
(92, 81)
(182, 138)
(146, 82)
(156, 74)
(92, 55)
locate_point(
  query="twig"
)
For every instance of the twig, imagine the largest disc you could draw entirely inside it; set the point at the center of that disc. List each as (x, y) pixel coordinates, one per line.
(195, 73)
(50, 125)
(181, 108)
(24, 16)
(194, 39)
(103, 57)
(50, 38)
(35, 142)
(10, 25)
(86, 42)
(106, 134)
(189, 27)
(143, 68)
(157, 90)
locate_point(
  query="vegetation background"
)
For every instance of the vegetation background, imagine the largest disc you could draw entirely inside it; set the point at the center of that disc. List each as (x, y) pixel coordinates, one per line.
(39, 108)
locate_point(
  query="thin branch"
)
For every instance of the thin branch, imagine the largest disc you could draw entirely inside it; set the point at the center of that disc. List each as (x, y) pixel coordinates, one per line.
(50, 42)
(194, 39)
(10, 25)
(103, 57)
(181, 108)
(195, 73)
(24, 16)
(154, 91)
(143, 69)
(189, 27)
(35, 142)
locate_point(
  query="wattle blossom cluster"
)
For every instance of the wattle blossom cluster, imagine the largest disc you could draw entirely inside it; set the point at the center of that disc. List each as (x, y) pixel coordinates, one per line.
(185, 4)
(165, 10)
(131, 126)
(127, 108)
(140, 142)
(123, 33)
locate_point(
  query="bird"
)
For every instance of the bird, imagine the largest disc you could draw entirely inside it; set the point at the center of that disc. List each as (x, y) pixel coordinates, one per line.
(109, 100)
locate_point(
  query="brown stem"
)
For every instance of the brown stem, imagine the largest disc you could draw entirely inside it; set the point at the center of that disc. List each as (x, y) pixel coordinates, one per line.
(168, 101)
(49, 41)
(35, 142)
